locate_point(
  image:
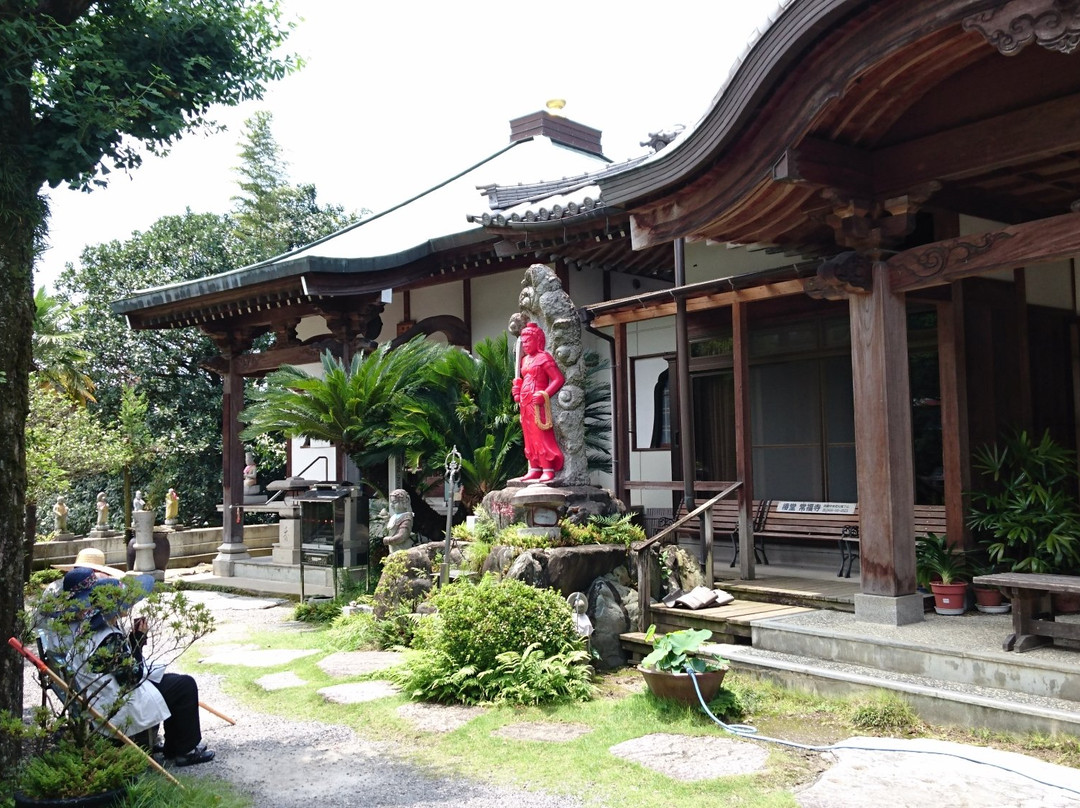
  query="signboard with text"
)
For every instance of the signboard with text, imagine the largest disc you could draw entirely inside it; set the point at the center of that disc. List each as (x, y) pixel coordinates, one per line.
(785, 506)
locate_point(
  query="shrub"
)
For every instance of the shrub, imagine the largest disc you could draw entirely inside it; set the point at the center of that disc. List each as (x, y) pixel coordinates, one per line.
(319, 611)
(499, 641)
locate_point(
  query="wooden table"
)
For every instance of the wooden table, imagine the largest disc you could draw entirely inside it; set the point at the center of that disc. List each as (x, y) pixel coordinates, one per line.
(1032, 610)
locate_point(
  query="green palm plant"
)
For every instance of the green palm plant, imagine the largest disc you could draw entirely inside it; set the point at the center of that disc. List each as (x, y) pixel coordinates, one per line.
(1027, 515)
(466, 403)
(58, 361)
(351, 407)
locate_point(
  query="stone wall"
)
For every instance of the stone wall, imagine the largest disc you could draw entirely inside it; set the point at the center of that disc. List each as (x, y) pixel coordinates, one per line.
(186, 544)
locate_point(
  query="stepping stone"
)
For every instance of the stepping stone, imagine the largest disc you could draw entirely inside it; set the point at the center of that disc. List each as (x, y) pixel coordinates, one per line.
(280, 681)
(250, 656)
(358, 692)
(693, 757)
(355, 663)
(438, 717)
(548, 731)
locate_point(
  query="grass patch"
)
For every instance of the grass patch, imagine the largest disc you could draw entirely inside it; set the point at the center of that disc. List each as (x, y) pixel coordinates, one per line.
(621, 711)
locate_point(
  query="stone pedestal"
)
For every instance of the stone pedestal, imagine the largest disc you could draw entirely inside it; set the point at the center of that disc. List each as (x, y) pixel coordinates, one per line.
(102, 533)
(143, 544)
(287, 549)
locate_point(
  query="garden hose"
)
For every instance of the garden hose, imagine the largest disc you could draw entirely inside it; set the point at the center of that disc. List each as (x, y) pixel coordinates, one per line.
(747, 731)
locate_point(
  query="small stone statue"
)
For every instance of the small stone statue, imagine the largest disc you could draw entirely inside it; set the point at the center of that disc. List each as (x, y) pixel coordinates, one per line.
(251, 471)
(102, 512)
(399, 525)
(60, 512)
(138, 503)
(580, 604)
(172, 507)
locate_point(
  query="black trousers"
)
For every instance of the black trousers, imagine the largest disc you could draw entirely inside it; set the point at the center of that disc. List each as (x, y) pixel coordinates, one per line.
(182, 730)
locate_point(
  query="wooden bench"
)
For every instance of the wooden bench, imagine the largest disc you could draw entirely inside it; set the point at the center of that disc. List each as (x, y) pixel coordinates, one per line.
(725, 521)
(814, 521)
(806, 521)
(1032, 607)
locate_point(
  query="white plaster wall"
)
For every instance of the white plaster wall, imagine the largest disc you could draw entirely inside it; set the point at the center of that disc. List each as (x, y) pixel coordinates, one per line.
(312, 326)
(706, 261)
(1050, 284)
(494, 299)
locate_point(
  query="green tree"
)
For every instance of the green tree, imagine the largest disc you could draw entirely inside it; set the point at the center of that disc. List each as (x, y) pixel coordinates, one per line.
(85, 83)
(64, 441)
(59, 362)
(273, 216)
(181, 418)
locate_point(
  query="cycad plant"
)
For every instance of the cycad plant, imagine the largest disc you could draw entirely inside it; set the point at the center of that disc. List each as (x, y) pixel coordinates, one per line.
(351, 407)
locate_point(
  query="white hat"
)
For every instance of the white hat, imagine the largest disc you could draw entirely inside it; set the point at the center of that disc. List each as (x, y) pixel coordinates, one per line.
(94, 559)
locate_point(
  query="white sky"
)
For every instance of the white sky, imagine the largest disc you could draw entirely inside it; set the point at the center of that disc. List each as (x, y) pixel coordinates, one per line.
(397, 96)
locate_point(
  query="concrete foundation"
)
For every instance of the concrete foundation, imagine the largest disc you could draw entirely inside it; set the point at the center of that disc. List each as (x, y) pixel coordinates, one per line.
(900, 611)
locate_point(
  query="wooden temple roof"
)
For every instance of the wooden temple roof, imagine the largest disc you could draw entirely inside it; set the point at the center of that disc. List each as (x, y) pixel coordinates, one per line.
(846, 118)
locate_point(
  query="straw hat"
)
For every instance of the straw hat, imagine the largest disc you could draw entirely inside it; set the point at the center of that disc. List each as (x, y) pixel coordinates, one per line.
(93, 559)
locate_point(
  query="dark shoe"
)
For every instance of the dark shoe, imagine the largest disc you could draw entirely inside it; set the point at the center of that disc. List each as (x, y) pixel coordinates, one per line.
(196, 755)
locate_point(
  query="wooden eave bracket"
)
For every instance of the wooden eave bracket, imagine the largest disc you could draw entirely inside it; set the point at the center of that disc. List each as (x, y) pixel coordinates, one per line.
(849, 273)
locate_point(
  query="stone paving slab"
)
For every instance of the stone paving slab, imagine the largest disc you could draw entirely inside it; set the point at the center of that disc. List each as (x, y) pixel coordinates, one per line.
(356, 663)
(922, 771)
(252, 656)
(547, 731)
(689, 758)
(438, 717)
(280, 681)
(358, 692)
(226, 600)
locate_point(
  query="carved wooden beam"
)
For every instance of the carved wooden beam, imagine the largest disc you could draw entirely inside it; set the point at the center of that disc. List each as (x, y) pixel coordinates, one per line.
(1041, 130)
(1009, 248)
(1053, 24)
(259, 364)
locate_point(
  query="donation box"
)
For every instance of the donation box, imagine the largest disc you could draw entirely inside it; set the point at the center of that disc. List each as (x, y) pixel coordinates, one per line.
(333, 526)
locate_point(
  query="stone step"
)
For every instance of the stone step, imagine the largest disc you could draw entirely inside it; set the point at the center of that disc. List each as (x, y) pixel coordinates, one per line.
(936, 700)
(964, 650)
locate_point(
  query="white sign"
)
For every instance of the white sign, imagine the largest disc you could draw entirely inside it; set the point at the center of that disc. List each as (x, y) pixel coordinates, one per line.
(815, 507)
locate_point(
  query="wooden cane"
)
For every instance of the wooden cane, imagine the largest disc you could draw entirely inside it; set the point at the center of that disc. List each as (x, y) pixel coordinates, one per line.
(212, 711)
(41, 666)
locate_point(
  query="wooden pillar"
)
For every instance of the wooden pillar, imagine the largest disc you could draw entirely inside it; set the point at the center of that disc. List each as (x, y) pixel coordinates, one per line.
(622, 414)
(952, 382)
(740, 331)
(232, 473)
(879, 364)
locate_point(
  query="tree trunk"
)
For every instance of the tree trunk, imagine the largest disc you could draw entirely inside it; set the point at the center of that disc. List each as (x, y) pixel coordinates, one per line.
(22, 214)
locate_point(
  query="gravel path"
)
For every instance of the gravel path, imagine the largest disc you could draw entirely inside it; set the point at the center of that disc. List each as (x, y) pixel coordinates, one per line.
(301, 764)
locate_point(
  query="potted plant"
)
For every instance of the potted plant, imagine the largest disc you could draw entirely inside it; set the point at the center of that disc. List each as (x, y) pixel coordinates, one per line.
(944, 570)
(988, 599)
(73, 759)
(665, 668)
(1027, 515)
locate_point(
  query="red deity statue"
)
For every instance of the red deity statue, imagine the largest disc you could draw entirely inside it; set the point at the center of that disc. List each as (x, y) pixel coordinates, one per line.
(539, 380)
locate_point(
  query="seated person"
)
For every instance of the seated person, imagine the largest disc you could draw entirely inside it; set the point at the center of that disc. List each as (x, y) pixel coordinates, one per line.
(109, 666)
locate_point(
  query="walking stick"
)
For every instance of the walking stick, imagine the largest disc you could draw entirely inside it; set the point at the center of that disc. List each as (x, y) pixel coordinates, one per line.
(212, 711)
(45, 669)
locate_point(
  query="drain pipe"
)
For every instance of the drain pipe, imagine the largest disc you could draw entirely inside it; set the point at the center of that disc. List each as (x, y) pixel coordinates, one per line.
(682, 382)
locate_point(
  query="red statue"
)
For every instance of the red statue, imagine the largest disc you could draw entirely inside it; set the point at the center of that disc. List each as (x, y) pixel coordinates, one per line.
(540, 379)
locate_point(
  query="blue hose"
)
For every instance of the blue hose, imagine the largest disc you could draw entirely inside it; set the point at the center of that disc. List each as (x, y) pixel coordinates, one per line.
(747, 731)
